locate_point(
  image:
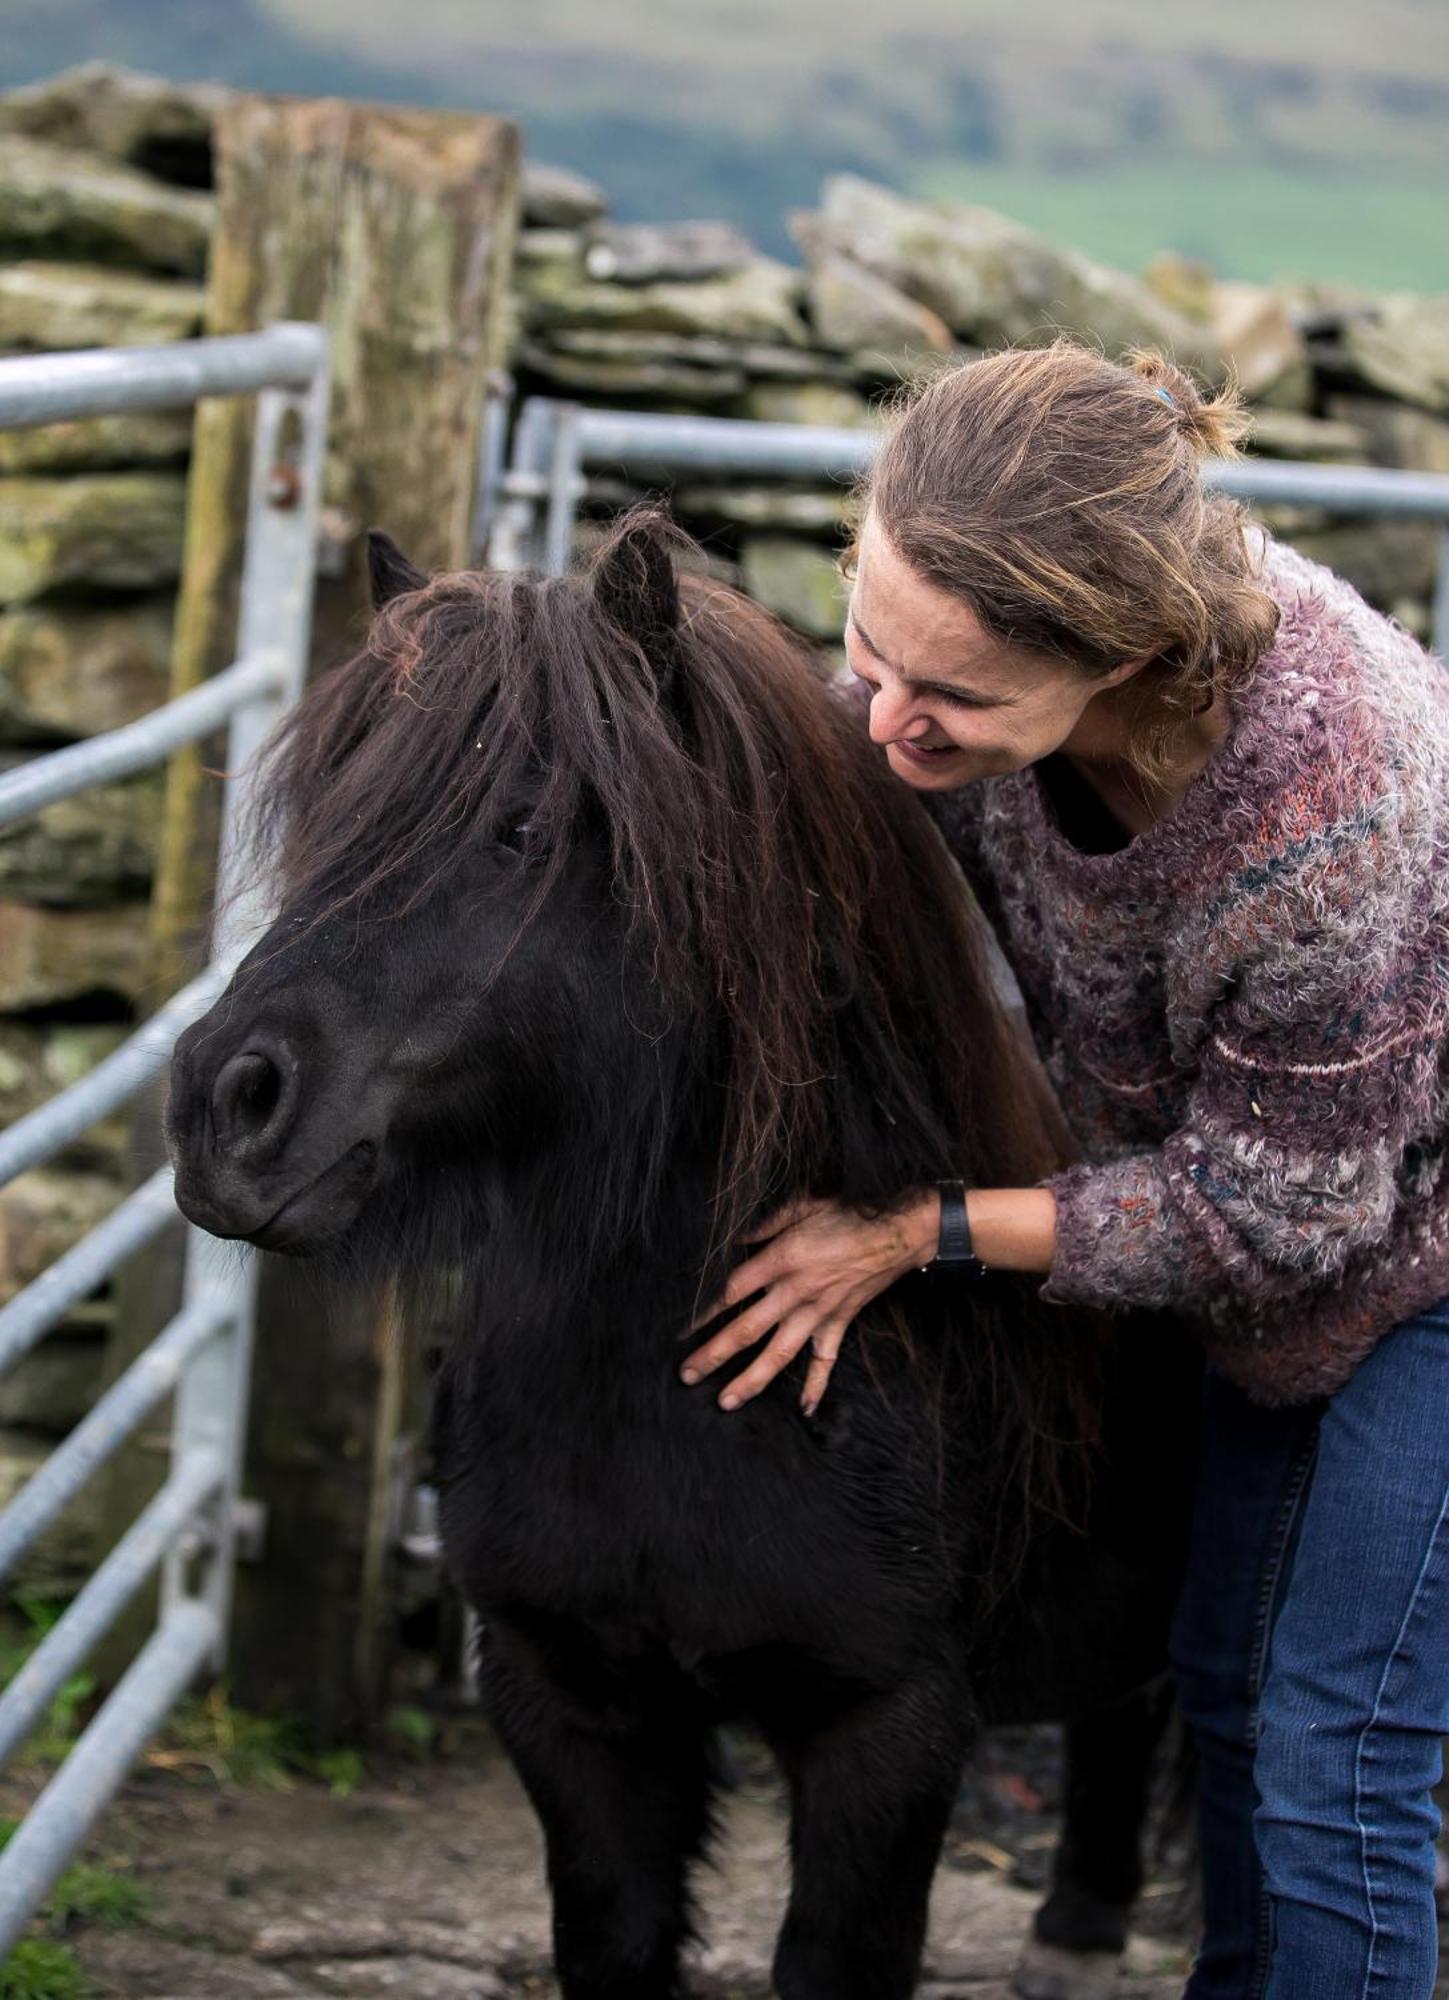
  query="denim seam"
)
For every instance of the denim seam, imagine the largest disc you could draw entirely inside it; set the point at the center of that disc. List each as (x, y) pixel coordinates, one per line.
(1363, 1737)
(1278, 1547)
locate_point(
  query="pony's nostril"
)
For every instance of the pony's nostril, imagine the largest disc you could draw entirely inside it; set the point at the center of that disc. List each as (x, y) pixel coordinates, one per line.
(247, 1099)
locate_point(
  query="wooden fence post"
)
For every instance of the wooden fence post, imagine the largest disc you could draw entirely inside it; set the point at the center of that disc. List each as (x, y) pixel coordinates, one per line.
(394, 228)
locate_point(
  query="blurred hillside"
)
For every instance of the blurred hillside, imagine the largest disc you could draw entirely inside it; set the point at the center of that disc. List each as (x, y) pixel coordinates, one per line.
(1269, 140)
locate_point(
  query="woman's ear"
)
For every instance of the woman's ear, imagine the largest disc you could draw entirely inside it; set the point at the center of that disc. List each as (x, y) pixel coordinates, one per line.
(389, 573)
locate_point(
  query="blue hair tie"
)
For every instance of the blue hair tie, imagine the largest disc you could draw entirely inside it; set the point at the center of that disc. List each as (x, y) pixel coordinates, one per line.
(1168, 399)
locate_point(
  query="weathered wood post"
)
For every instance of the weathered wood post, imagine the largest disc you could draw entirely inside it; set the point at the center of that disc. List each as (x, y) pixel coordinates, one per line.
(395, 229)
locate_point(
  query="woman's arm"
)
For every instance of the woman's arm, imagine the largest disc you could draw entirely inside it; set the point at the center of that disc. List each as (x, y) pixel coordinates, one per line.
(823, 1264)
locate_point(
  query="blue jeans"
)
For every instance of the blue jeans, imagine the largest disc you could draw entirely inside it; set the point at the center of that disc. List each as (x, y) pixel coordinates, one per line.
(1311, 1653)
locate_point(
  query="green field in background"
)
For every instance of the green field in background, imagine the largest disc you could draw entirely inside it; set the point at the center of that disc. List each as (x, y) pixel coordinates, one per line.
(1247, 222)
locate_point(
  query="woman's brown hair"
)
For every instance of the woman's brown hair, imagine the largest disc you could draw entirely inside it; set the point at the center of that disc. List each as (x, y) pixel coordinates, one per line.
(1060, 495)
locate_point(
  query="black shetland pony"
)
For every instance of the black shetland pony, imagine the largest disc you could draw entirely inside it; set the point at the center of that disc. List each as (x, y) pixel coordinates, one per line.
(604, 930)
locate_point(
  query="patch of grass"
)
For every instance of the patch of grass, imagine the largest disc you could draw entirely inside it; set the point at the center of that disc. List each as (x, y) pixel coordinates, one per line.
(1356, 228)
(341, 1771)
(39, 1970)
(238, 1748)
(209, 1733)
(94, 1895)
(411, 1729)
(86, 1893)
(56, 1735)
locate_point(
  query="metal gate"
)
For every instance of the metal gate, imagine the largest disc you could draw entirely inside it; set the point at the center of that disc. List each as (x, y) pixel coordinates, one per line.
(202, 1357)
(527, 512)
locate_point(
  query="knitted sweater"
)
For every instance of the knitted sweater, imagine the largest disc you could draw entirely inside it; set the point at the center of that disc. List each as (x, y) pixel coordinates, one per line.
(1244, 1008)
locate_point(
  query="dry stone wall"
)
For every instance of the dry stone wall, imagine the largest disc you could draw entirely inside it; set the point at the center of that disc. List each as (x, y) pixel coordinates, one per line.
(105, 214)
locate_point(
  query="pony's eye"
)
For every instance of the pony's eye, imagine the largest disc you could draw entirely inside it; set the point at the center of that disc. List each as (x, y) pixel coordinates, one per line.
(516, 837)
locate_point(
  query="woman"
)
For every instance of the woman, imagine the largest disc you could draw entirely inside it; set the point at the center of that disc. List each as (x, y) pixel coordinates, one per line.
(1203, 792)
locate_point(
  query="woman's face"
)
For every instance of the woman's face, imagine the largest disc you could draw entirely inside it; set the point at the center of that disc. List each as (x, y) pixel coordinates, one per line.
(949, 702)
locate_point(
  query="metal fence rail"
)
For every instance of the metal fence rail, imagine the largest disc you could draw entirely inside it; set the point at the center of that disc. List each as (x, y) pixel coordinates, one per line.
(202, 1356)
(533, 506)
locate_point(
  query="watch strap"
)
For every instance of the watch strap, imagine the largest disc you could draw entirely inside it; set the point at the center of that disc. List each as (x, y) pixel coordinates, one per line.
(955, 1249)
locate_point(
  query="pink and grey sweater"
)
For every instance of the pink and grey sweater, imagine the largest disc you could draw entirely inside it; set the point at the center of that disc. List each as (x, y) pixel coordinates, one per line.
(1244, 1008)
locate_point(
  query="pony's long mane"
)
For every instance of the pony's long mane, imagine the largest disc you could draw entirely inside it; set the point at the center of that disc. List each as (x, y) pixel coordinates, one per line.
(773, 872)
(785, 888)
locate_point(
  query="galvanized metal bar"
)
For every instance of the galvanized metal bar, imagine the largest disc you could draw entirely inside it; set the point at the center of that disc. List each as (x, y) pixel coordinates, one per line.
(736, 444)
(492, 449)
(1340, 489)
(75, 1797)
(105, 1596)
(1439, 625)
(118, 1076)
(275, 625)
(563, 490)
(276, 613)
(73, 1277)
(723, 444)
(148, 1381)
(59, 388)
(513, 534)
(120, 752)
(556, 440)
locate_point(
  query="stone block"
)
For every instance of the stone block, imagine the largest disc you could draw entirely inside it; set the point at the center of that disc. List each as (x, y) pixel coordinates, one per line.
(825, 403)
(99, 444)
(50, 1390)
(555, 198)
(115, 530)
(65, 306)
(852, 307)
(99, 846)
(798, 581)
(758, 303)
(59, 202)
(1257, 335)
(146, 121)
(631, 375)
(995, 282)
(42, 1214)
(67, 671)
(1396, 434)
(1402, 348)
(59, 1562)
(1389, 561)
(39, 1059)
(793, 509)
(1289, 434)
(50, 956)
(643, 253)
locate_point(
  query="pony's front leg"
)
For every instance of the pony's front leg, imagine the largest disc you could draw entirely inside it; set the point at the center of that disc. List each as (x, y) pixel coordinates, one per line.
(871, 1793)
(618, 1773)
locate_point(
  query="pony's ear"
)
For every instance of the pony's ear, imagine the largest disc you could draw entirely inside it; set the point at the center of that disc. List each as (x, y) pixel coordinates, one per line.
(389, 573)
(636, 588)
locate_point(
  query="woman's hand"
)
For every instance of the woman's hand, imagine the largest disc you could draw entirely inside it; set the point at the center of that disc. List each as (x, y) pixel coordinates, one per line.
(821, 1265)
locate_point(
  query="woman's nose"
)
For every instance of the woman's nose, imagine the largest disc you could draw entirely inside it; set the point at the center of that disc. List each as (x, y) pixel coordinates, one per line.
(891, 717)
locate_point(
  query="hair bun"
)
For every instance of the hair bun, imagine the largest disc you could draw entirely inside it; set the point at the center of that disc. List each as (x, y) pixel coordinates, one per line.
(1215, 425)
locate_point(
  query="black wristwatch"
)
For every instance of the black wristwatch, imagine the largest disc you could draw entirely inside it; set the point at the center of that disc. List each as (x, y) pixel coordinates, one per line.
(954, 1251)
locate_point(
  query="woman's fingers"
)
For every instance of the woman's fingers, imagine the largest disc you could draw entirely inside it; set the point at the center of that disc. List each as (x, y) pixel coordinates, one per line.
(742, 1332)
(826, 1345)
(742, 1283)
(787, 1343)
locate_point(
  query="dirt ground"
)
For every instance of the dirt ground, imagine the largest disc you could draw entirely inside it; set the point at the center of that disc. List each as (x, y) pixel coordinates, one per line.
(426, 1882)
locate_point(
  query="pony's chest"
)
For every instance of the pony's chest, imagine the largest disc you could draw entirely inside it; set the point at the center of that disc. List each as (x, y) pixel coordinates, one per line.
(695, 1533)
